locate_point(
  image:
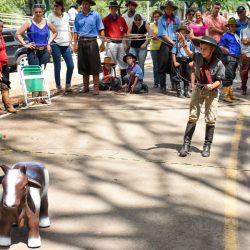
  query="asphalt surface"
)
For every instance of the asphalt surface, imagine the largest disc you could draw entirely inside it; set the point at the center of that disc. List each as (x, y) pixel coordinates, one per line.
(116, 181)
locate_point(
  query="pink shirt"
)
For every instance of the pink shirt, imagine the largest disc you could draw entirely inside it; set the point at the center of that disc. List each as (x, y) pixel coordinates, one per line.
(198, 30)
(219, 22)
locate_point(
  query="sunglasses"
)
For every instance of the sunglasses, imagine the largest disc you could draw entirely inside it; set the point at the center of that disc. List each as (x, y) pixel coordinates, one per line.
(191, 14)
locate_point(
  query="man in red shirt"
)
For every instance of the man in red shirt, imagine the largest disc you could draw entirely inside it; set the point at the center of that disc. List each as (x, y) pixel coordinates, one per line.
(115, 30)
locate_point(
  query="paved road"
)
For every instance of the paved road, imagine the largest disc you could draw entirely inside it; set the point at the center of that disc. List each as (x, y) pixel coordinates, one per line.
(116, 181)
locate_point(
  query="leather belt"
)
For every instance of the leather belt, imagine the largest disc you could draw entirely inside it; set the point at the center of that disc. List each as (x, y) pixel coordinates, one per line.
(41, 48)
(233, 58)
(87, 39)
(116, 41)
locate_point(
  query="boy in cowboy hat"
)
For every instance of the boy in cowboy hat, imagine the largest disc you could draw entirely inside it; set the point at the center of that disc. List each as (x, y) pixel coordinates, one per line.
(108, 79)
(134, 76)
(230, 45)
(209, 72)
(180, 62)
(167, 25)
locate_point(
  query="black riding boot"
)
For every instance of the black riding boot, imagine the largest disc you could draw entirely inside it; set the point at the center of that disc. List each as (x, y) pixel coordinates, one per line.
(178, 90)
(123, 73)
(187, 139)
(208, 140)
(162, 80)
(186, 94)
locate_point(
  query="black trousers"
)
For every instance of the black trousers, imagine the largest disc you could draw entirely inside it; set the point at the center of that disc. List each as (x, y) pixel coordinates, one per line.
(181, 73)
(231, 65)
(89, 62)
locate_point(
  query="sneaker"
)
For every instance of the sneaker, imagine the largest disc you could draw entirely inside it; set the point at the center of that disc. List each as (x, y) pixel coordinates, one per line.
(244, 92)
(59, 91)
(155, 85)
(239, 88)
(163, 91)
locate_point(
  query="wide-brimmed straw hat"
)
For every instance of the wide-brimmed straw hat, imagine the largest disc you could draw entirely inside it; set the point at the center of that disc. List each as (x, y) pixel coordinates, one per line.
(208, 40)
(113, 4)
(183, 27)
(168, 3)
(129, 54)
(108, 60)
(232, 21)
(91, 2)
(132, 2)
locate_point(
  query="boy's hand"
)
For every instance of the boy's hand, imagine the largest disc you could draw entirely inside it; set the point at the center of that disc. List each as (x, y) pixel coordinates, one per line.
(132, 88)
(176, 64)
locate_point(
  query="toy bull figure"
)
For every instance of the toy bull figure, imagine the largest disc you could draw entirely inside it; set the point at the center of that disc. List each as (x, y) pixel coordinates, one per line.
(24, 201)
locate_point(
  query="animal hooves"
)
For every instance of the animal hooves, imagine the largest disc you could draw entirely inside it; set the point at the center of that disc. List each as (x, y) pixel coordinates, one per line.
(44, 222)
(5, 241)
(34, 242)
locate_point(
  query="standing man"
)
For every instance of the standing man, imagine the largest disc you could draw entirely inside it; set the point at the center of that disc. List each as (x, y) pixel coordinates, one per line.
(243, 19)
(245, 57)
(167, 26)
(216, 23)
(115, 30)
(129, 15)
(87, 26)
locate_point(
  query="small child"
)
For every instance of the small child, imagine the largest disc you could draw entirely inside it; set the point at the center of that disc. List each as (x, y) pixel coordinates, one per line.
(134, 76)
(106, 77)
(230, 46)
(181, 62)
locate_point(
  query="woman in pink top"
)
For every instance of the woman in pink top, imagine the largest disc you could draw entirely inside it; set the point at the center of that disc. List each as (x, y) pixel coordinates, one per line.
(198, 28)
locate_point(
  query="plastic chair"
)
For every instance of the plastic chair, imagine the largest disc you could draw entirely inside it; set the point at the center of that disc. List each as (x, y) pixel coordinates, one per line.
(32, 79)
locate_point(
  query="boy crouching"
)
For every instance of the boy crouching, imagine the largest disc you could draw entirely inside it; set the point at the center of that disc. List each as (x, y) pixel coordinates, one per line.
(134, 77)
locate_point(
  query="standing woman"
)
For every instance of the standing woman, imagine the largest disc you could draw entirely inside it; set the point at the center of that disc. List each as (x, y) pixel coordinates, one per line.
(4, 75)
(155, 47)
(138, 46)
(198, 28)
(61, 45)
(39, 45)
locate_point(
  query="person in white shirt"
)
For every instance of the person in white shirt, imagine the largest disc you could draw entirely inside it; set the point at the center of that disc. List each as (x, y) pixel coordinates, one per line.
(72, 12)
(61, 46)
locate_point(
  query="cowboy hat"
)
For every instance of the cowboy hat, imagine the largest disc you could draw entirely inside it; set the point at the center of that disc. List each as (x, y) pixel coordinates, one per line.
(129, 54)
(91, 2)
(131, 2)
(183, 27)
(208, 40)
(113, 4)
(168, 3)
(108, 60)
(232, 21)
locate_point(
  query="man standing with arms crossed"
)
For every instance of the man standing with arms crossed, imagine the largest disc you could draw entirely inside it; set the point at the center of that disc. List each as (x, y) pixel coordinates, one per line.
(87, 26)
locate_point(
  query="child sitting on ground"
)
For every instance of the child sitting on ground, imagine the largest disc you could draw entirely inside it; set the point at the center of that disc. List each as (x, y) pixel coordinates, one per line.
(134, 77)
(108, 81)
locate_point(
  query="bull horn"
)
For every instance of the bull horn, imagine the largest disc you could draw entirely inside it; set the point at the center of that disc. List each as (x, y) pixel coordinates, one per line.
(33, 183)
(1, 178)
(4, 168)
(23, 169)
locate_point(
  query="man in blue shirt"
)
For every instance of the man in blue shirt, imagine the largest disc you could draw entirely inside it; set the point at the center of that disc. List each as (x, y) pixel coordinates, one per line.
(243, 19)
(167, 26)
(87, 26)
(134, 76)
(230, 46)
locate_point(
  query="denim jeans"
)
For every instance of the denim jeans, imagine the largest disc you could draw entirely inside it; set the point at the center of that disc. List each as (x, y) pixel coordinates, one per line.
(141, 55)
(65, 52)
(38, 57)
(155, 59)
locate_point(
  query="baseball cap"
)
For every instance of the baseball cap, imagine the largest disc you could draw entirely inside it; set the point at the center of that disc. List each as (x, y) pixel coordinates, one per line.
(240, 9)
